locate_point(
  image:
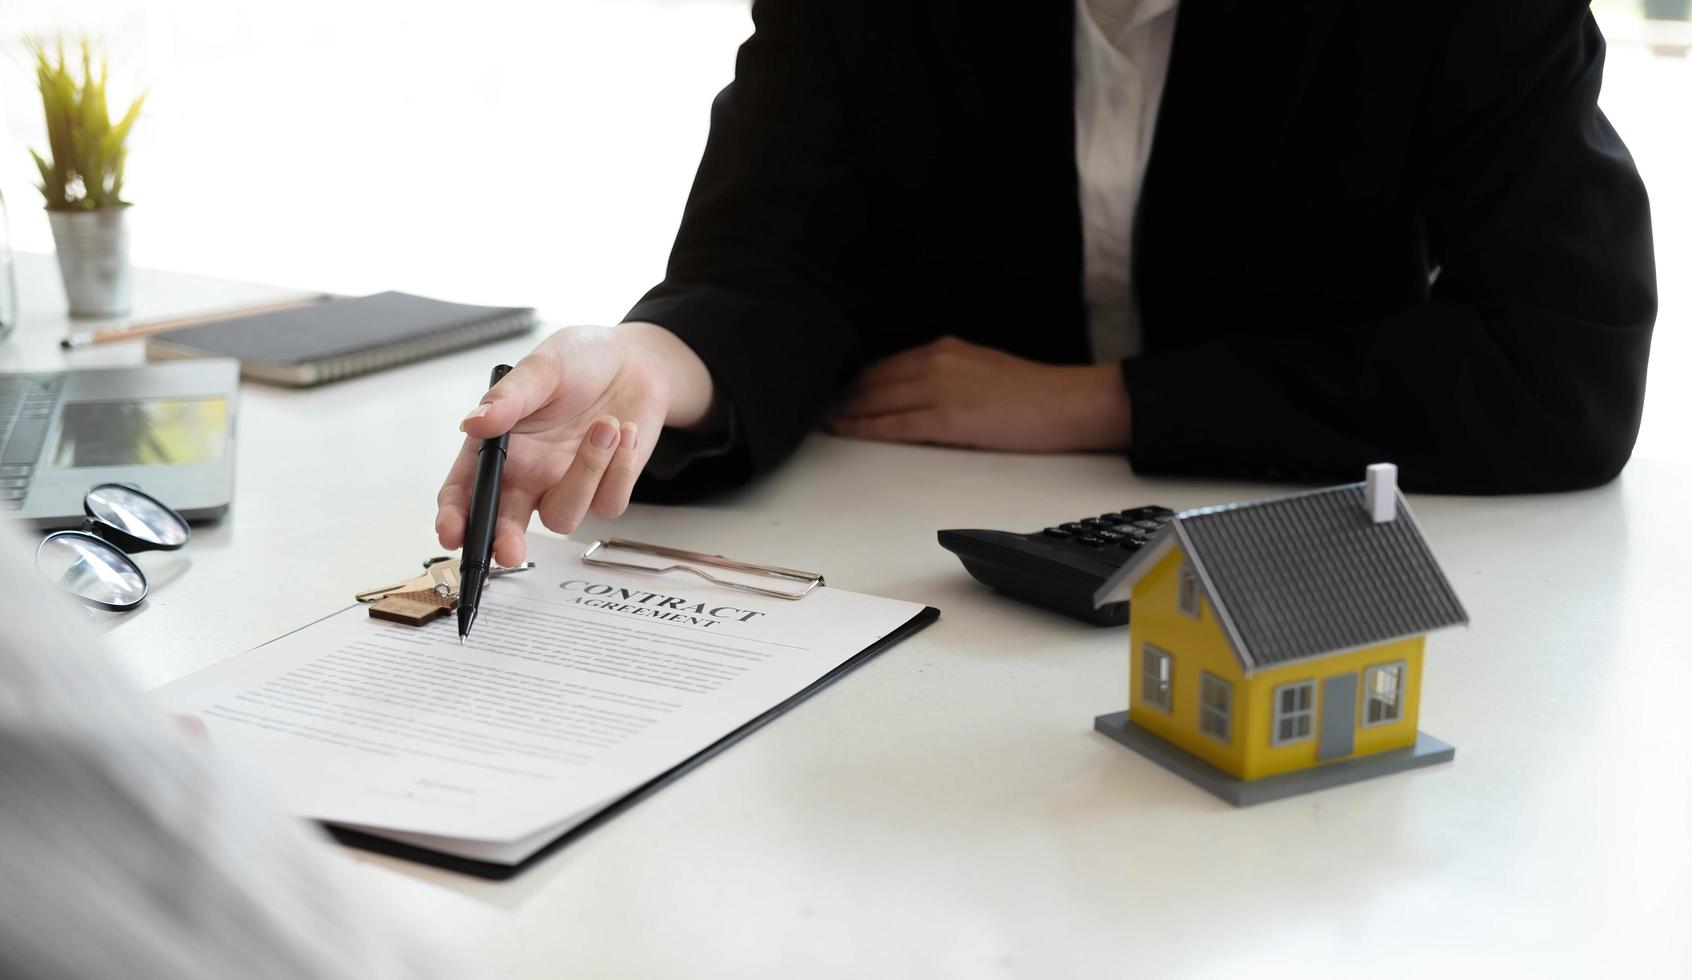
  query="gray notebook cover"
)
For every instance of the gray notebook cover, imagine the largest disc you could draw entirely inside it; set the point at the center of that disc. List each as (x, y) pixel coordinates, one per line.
(311, 344)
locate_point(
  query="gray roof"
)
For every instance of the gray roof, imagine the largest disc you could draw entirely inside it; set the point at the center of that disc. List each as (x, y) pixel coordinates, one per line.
(1312, 573)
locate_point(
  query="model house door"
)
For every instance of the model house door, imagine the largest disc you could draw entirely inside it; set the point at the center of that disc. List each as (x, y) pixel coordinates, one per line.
(1339, 717)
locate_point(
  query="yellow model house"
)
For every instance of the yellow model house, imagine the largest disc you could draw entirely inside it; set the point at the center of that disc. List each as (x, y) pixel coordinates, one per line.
(1276, 647)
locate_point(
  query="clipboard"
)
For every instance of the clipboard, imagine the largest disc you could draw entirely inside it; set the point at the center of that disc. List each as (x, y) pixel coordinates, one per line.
(656, 559)
(699, 564)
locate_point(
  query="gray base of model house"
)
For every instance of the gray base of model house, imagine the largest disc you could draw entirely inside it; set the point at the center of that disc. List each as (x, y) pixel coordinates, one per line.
(1244, 792)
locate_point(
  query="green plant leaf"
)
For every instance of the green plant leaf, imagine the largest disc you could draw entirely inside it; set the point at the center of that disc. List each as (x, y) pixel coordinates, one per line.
(113, 139)
(87, 152)
(52, 181)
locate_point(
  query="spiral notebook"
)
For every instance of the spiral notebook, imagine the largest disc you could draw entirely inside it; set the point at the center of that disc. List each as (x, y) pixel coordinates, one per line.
(339, 338)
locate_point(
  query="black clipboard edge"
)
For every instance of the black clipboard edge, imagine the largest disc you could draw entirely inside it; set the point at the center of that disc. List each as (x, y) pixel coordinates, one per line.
(501, 872)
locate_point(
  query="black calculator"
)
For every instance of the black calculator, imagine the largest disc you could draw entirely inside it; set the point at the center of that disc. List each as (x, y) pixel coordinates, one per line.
(1061, 567)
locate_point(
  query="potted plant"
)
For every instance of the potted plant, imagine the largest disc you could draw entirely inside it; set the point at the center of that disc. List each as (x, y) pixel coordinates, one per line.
(83, 182)
(1668, 9)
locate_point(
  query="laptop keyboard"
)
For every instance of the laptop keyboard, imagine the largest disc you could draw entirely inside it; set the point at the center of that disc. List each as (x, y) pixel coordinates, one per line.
(26, 411)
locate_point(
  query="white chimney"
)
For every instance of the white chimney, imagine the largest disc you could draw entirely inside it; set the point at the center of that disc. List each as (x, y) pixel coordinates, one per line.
(1380, 491)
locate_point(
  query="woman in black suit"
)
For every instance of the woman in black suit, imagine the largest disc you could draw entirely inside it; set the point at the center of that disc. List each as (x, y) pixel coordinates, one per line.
(1362, 232)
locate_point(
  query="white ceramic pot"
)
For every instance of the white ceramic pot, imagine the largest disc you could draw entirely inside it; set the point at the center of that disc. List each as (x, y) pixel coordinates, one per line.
(93, 249)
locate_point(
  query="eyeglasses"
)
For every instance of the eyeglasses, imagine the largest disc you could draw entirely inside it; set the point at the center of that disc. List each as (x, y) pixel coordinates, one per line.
(93, 563)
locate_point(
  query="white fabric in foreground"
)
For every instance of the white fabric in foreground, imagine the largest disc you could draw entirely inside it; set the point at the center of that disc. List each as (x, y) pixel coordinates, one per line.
(129, 850)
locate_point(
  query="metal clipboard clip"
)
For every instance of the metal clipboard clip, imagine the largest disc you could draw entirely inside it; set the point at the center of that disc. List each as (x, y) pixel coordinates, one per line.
(689, 561)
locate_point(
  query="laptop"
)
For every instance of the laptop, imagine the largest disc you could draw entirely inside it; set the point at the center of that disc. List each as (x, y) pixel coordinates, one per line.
(166, 428)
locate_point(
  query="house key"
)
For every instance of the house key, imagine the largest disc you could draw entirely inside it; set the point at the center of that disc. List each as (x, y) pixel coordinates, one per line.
(436, 573)
(420, 600)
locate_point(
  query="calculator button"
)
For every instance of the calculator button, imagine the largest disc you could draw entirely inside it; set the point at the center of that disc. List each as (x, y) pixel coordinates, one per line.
(1109, 535)
(1148, 525)
(1091, 541)
(1056, 532)
(1131, 544)
(1095, 522)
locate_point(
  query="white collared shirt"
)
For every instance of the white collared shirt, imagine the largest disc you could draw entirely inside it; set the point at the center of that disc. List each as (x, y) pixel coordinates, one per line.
(1122, 50)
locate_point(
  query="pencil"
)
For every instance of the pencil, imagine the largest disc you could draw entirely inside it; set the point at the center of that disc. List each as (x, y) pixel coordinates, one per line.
(149, 327)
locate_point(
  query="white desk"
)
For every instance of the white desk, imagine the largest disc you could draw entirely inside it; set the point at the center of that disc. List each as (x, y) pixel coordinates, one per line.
(946, 810)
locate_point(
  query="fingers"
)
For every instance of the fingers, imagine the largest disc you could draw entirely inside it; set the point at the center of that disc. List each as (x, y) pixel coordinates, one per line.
(453, 502)
(924, 425)
(907, 365)
(516, 503)
(612, 497)
(913, 364)
(886, 399)
(525, 390)
(563, 506)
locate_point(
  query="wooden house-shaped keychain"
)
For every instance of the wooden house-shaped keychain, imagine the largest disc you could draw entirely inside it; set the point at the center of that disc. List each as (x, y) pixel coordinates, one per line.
(1275, 647)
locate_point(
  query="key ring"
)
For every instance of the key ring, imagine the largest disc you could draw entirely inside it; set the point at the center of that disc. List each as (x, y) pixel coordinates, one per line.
(494, 572)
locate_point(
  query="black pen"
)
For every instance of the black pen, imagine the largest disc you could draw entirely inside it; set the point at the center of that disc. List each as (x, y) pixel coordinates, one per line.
(477, 558)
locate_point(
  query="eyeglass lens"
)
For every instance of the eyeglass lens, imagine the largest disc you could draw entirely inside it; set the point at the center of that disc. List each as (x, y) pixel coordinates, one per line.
(91, 569)
(137, 514)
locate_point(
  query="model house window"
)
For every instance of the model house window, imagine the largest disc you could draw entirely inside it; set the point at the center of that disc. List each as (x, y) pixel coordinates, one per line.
(1188, 595)
(1157, 677)
(1383, 694)
(1216, 703)
(1295, 713)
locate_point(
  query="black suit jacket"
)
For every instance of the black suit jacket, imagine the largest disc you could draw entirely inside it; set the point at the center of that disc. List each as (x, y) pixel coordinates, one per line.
(1368, 232)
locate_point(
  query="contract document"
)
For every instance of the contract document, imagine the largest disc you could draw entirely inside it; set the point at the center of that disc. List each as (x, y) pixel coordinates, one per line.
(579, 686)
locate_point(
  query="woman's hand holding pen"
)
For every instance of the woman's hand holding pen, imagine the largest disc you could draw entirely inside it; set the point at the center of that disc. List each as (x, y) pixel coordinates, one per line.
(584, 409)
